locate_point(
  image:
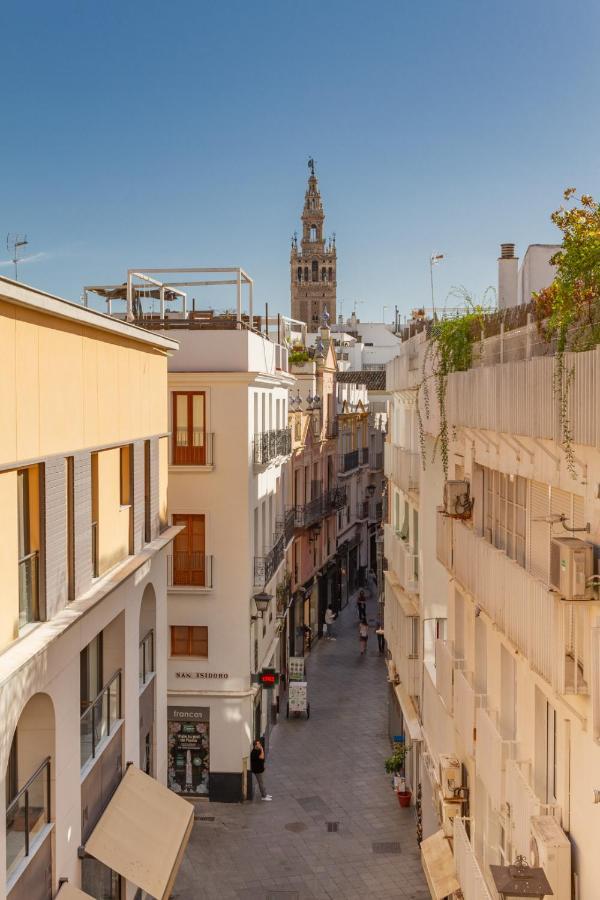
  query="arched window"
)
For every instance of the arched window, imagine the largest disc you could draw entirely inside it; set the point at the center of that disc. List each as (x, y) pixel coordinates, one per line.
(299, 273)
(306, 273)
(330, 274)
(313, 232)
(323, 274)
(315, 270)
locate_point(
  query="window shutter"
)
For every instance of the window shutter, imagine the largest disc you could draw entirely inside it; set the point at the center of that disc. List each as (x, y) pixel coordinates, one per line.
(539, 531)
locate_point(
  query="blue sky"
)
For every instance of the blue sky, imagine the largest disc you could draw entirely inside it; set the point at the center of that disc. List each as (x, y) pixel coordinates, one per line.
(147, 133)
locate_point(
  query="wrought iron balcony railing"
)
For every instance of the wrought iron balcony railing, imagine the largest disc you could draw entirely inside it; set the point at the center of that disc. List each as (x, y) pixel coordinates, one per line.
(321, 506)
(376, 460)
(26, 816)
(99, 719)
(363, 456)
(348, 461)
(185, 569)
(266, 566)
(29, 595)
(269, 445)
(286, 524)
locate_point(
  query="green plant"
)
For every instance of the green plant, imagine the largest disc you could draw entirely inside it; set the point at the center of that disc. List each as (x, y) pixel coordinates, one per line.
(283, 591)
(568, 311)
(395, 763)
(298, 356)
(449, 349)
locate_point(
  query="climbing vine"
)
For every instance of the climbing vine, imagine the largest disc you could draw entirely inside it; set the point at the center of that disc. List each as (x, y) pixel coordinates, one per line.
(568, 311)
(450, 348)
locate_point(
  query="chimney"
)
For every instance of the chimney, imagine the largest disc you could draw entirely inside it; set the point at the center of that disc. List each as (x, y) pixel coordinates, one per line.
(508, 271)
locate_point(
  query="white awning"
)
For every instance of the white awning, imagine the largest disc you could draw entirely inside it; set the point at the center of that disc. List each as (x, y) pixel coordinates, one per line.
(68, 892)
(143, 833)
(438, 865)
(409, 713)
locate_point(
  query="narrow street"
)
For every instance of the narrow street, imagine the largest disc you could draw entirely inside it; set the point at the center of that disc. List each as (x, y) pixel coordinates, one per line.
(328, 769)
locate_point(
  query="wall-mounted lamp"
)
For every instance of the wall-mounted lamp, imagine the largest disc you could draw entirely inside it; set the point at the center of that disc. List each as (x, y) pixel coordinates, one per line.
(262, 601)
(370, 489)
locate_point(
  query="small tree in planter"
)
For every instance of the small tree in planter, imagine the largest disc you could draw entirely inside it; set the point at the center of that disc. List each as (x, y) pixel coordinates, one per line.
(394, 765)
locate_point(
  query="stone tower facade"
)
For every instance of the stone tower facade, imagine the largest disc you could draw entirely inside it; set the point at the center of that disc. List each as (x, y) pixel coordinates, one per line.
(313, 276)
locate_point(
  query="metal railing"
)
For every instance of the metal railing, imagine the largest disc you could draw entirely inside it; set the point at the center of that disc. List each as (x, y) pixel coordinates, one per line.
(198, 453)
(466, 703)
(29, 594)
(189, 569)
(269, 445)
(469, 874)
(348, 461)
(492, 752)
(363, 456)
(286, 524)
(319, 507)
(522, 804)
(402, 466)
(146, 659)
(99, 719)
(376, 460)
(95, 569)
(266, 566)
(27, 815)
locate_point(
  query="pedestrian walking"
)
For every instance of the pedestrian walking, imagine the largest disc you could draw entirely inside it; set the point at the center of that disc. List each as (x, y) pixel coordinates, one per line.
(363, 637)
(380, 636)
(257, 767)
(361, 606)
(330, 617)
(372, 583)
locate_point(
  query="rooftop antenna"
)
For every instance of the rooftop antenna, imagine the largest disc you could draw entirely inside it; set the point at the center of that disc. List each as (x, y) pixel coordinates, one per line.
(14, 242)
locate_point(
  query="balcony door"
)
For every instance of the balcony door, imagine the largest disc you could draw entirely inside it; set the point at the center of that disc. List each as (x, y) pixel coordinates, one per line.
(189, 428)
(189, 567)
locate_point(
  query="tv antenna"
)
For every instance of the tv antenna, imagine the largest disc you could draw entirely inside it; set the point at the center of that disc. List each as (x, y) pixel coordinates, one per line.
(14, 242)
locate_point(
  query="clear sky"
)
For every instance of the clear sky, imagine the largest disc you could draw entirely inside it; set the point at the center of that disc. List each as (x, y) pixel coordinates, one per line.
(177, 132)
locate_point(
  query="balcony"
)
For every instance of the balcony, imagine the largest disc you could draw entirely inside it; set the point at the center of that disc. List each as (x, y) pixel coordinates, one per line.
(362, 510)
(269, 445)
(29, 594)
(468, 872)
(363, 456)
(319, 507)
(266, 566)
(402, 560)
(198, 453)
(27, 818)
(189, 569)
(376, 460)
(286, 524)
(100, 718)
(552, 634)
(466, 704)
(492, 753)
(445, 664)
(523, 803)
(348, 462)
(402, 466)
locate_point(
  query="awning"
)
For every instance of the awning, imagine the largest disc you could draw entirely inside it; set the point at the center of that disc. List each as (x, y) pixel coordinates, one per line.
(407, 602)
(143, 833)
(438, 865)
(68, 892)
(409, 713)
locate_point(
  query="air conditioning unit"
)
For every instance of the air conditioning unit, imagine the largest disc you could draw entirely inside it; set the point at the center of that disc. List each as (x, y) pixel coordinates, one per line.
(448, 810)
(551, 849)
(571, 564)
(450, 776)
(457, 499)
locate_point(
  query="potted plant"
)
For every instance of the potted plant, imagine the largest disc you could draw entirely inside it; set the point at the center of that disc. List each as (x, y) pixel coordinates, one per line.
(394, 765)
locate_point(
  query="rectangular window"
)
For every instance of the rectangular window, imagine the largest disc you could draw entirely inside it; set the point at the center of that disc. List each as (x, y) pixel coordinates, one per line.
(90, 670)
(189, 560)
(189, 640)
(125, 474)
(29, 536)
(189, 428)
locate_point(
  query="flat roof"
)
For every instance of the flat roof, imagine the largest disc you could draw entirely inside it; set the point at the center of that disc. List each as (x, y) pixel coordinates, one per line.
(33, 298)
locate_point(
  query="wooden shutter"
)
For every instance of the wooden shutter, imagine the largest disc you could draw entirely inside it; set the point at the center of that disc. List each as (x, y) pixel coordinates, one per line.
(199, 640)
(188, 551)
(179, 640)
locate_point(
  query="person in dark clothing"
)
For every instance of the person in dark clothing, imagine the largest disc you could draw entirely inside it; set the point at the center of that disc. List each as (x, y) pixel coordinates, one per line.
(257, 767)
(380, 637)
(361, 606)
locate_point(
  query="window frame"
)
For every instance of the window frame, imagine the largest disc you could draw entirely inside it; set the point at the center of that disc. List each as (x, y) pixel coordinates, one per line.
(189, 638)
(188, 454)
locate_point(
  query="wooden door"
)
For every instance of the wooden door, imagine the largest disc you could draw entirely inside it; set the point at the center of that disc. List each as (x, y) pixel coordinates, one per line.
(189, 567)
(189, 428)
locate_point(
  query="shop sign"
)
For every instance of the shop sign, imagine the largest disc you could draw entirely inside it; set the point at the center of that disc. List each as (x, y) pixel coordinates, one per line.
(188, 740)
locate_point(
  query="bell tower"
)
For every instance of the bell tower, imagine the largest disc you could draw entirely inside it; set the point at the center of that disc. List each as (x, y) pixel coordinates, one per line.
(313, 264)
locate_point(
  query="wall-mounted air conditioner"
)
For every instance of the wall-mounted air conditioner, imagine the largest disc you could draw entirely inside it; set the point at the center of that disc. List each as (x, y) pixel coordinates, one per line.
(551, 849)
(457, 499)
(447, 811)
(571, 564)
(450, 776)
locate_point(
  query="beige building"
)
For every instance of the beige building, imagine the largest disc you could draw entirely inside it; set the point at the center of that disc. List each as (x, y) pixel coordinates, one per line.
(492, 611)
(313, 265)
(83, 546)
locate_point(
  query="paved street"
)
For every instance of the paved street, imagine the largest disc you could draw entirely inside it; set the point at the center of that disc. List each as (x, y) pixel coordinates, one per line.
(328, 769)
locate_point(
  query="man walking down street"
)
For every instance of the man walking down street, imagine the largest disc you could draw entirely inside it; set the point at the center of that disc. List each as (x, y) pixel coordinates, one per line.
(330, 617)
(257, 767)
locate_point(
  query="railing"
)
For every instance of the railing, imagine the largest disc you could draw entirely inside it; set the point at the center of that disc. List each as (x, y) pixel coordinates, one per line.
(146, 658)
(198, 453)
(402, 559)
(27, 816)
(402, 466)
(189, 569)
(95, 569)
(286, 524)
(523, 803)
(470, 877)
(266, 566)
(321, 506)
(362, 509)
(466, 704)
(376, 460)
(363, 455)
(491, 755)
(269, 445)
(29, 595)
(551, 634)
(348, 461)
(443, 545)
(445, 663)
(99, 719)
(437, 723)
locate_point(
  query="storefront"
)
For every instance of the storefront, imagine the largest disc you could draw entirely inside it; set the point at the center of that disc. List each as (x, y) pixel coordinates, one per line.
(188, 750)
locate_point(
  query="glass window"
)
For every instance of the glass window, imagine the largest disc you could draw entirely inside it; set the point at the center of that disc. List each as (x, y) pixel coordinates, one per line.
(189, 640)
(189, 560)
(189, 428)
(125, 473)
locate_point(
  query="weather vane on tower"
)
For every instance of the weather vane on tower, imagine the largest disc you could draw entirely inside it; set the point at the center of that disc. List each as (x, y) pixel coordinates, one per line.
(311, 165)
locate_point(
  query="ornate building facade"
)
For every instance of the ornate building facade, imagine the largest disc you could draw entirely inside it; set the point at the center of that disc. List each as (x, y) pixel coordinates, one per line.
(313, 264)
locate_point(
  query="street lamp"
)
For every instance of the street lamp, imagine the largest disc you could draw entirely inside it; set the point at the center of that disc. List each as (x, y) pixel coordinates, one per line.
(262, 601)
(370, 489)
(434, 259)
(521, 880)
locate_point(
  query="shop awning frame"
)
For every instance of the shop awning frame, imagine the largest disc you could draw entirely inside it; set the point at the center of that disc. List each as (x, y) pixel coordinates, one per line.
(438, 865)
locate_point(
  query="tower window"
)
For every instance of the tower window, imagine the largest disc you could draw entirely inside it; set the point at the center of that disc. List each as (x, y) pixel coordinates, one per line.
(323, 274)
(313, 232)
(315, 270)
(330, 273)
(306, 273)
(299, 273)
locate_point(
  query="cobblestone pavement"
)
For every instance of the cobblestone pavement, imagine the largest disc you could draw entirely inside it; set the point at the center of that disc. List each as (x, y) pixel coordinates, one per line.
(328, 769)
